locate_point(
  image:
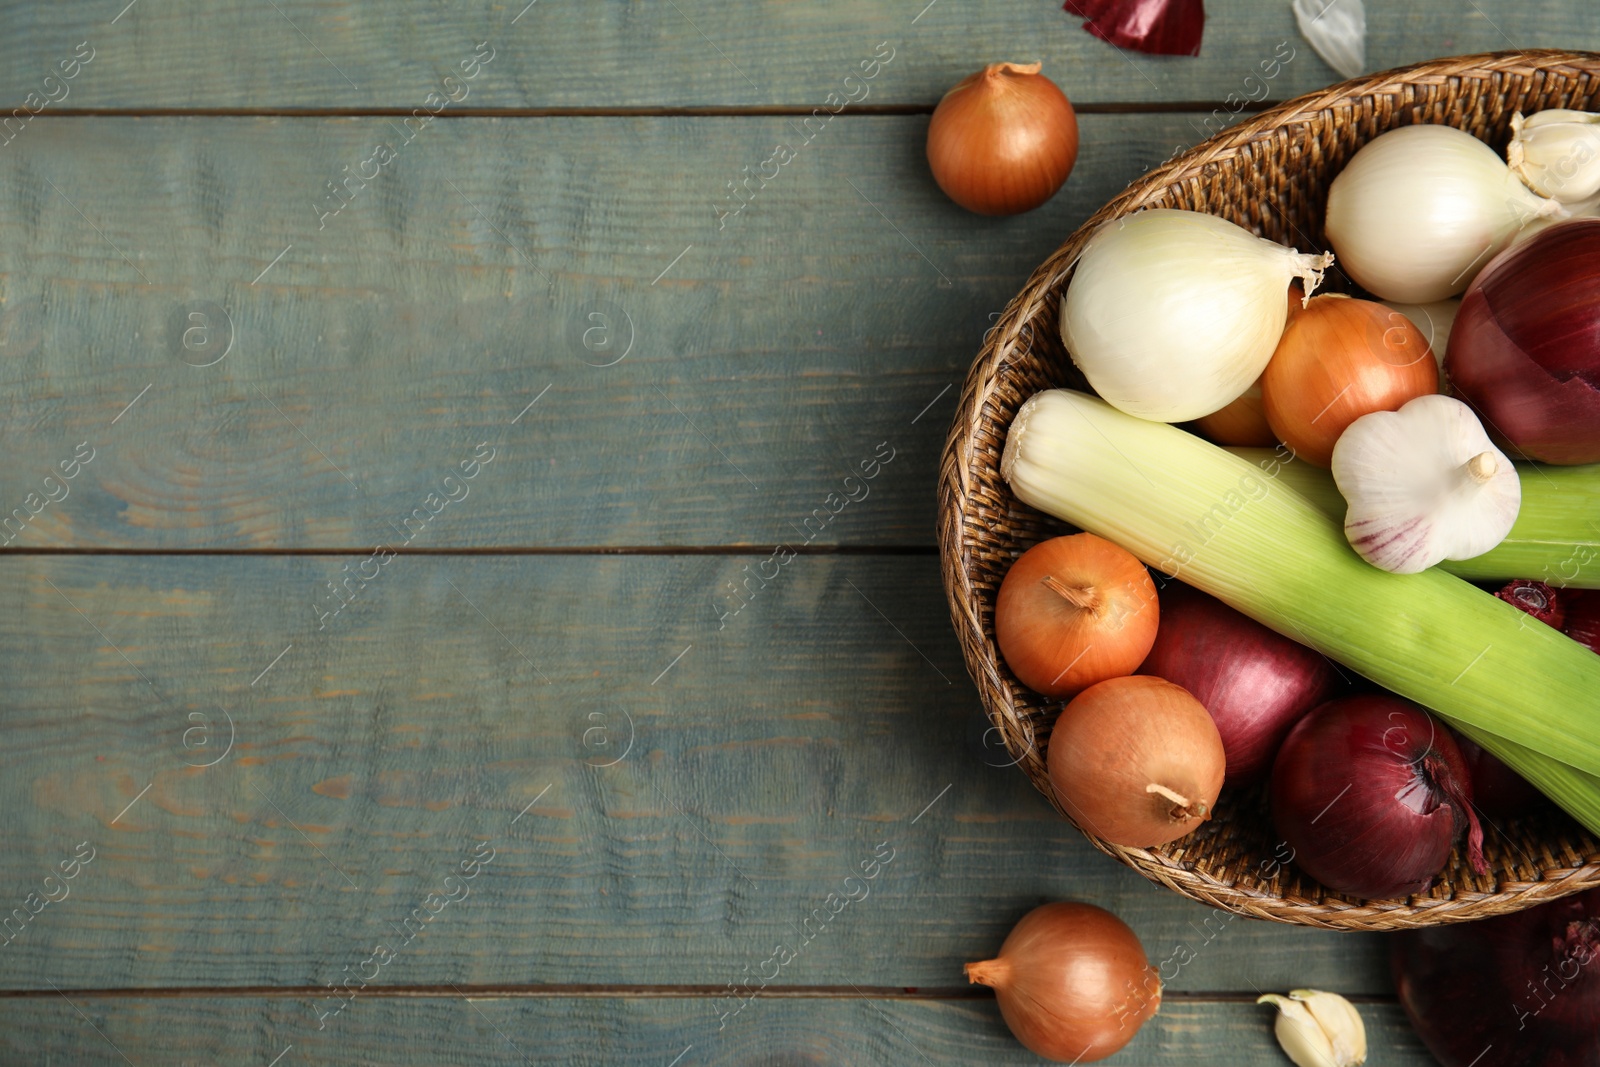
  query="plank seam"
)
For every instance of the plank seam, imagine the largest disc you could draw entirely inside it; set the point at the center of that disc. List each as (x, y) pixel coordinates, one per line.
(575, 992)
(709, 111)
(552, 550)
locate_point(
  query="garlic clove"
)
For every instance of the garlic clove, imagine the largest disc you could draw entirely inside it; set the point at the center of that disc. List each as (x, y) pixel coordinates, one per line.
(1424, 484)
(1340, 1022)
(1557, 153)
(1299, 1034)
(1337, 31)
(1551, 115)
(1317, 1029)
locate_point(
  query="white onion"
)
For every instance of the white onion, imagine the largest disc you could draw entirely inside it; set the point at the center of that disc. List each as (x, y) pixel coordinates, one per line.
(1172, 314)
(1420, 210)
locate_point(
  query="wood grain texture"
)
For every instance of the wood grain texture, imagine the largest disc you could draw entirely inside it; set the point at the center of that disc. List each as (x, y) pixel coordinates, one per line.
(441, 1031)
(670, 789)
(768, 760)
(768, 359)
(694, 53)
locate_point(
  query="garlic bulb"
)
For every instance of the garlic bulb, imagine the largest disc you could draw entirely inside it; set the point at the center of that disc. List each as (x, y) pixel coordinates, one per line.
(1418, 211)
(1424, 484)
(1318, 1029)
(1557, 153)
(1172, 314)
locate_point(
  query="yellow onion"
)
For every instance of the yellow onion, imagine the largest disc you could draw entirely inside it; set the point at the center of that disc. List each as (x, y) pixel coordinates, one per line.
(1003, 140)
(1073, 982)
(1340, 359)
(1137, 761)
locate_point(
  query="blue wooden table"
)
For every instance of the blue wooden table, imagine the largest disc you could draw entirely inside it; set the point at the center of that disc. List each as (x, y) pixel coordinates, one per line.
(401, 423)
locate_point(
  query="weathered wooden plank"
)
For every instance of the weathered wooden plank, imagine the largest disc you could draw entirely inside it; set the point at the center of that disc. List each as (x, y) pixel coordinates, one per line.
(667, 794)
(340, 53)
(613, 1030)
(370, 356)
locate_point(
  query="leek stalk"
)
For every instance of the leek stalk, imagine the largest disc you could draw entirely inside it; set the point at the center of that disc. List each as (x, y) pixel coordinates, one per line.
(1556, 538)
(1228, 527)
(1581, 792)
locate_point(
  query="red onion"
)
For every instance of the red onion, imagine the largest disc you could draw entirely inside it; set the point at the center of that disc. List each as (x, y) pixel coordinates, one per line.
(1575, 612)
(1536, 599)
(1525, 347)
(1371, 793)
(1497, 790)
(1583, 617)
(1255, 683)
(1515, 991)
(1159, 27)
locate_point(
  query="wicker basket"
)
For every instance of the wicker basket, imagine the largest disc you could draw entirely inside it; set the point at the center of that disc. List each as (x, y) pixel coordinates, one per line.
(1270, 175)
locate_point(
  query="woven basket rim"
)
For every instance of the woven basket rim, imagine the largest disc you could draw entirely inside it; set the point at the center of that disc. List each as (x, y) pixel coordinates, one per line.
(1006, 346)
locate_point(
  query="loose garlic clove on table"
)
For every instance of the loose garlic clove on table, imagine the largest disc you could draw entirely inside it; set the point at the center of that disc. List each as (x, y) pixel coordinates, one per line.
(1318, 1029)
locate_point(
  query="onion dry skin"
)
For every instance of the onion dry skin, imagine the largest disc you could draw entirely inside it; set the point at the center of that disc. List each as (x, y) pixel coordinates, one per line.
(1158, 27)
(1003, 140)
(1255, 682)
(1136, 761)
(1513, 991)
(1525, 348)
(1371, 793)
(1073, 982)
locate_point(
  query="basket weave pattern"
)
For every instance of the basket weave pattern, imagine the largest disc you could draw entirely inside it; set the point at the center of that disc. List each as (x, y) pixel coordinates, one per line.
(1270, 175)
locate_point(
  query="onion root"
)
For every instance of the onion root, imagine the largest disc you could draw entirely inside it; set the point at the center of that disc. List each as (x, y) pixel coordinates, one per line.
(988, 972)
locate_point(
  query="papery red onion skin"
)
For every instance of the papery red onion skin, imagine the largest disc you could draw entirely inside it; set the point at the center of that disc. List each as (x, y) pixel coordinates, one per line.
(1583, 618)
(1536, 599)
(1255, 683)
(1525, 347)
(1371, 793)
(1158, 27)
(1073, 982)
(1513, 991)
(1575, 612)
(1498, 791)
